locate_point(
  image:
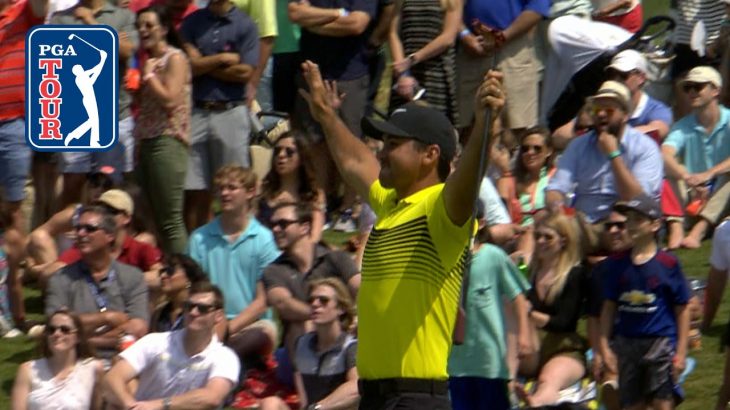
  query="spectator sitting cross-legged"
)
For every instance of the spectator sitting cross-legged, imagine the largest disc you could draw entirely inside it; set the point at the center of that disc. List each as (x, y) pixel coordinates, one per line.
(67, 377)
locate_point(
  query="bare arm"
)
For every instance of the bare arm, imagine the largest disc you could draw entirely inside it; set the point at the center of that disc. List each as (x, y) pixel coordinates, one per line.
(210, 397)
(462, 187)
(266, 46)
(237, 73)
(716, 281)
(299, 386)
(353, 24)
(345, 396)
(626, 184)
(554, 200)
(382, 29)
(452, 23)
(356, 162)
(251, 313)
(672, 167)
(661, 128)
(97, 399)
(287, 306)
(21, 388)
(608, 313)
(204, 64)
(170, 86)
(522, 309)
(394, 42)
(15, 251)
(115, 386)
(308, 16)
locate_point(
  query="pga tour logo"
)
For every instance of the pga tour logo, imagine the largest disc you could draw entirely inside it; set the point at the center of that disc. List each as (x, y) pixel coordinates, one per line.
(71, 88)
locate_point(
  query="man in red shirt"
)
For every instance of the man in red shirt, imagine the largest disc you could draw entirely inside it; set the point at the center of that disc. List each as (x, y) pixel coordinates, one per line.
(16, 18)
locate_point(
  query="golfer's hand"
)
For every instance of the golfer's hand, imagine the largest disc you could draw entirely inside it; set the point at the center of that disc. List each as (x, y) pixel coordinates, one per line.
(473, 44)
(317, 97)
(607, 142)
(490, 95)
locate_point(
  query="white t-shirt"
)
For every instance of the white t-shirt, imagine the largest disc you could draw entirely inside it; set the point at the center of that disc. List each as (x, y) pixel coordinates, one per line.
(720, 256)
(495, 210)
(73, 392)
(165, 369)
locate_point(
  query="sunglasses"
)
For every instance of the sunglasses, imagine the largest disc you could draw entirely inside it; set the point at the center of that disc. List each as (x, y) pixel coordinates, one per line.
(113, 211)
(596, 109)
(282, 223)
(288, 150)
(696, 87)
(87, 227)
(66, 330)
(203, 308)
(167, 271)
(323, 300)
(532, 148)
(618, 225)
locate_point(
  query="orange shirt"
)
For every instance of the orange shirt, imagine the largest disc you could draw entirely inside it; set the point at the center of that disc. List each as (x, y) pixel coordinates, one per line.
(15, 21)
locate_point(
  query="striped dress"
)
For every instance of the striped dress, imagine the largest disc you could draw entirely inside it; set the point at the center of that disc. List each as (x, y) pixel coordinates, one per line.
(711, 12)
(420, 22)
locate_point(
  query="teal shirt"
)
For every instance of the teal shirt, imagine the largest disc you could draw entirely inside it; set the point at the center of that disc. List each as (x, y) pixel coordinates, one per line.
(697, 150)
(492, 277)
(235, 267)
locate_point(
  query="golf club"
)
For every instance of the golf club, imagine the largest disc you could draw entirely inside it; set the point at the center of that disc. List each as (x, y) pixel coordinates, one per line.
(72, 36)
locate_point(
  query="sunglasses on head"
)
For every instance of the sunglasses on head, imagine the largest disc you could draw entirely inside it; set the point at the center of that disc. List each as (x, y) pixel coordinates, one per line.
(282, 223)
(66, 330)
(288, 150)
(323, 300)
(696, 87)
(89, 228)
(203, 308)
(532, 148)
(610, 225)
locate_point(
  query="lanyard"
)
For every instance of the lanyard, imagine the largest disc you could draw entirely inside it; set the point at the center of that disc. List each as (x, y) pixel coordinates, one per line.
(95, 291)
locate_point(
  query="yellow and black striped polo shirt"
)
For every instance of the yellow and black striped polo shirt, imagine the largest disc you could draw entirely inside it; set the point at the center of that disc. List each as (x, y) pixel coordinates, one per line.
(411, 279)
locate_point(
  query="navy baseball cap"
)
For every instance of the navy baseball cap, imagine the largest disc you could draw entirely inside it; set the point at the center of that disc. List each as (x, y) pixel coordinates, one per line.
(416, 121)
(643, 204)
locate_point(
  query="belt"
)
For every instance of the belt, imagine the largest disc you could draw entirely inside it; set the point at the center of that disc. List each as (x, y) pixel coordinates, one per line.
(218, 105)
(385, 387)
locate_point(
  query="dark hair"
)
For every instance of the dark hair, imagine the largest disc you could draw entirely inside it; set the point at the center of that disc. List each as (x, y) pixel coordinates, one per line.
(83, 349)
(207, 287)
(444, 165)
(344, 299)
(107, 223)
(308, 187)
(303, 210)
(142, 219)
(520, 171)
(165, 17)
(192, 270)
(101, 180)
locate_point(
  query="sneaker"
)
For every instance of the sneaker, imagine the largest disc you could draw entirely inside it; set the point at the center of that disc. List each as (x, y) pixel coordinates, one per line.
(12, 333)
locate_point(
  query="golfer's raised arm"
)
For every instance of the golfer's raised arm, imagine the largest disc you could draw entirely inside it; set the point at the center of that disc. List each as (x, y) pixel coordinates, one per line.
(462, 186)
(357, 164)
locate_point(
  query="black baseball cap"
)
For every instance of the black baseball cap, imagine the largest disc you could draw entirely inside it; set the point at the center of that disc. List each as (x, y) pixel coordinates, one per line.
(643, 204)
(416, 121)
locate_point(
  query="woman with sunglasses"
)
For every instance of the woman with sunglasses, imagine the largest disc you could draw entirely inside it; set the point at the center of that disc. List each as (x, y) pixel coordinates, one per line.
(67, 377)
(524, 188)
(324, 359)
(292, 179)
(179, 273)
(163, 125)
(556, 297)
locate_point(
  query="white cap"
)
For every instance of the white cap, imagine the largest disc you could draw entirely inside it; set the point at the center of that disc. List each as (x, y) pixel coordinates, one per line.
(704, 74)
(629, 60)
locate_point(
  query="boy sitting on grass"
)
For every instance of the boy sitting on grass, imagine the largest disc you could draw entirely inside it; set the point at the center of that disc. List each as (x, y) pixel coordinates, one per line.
(644, 313)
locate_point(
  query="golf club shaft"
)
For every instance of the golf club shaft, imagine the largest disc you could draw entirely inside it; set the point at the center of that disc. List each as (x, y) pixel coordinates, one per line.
(87, 43)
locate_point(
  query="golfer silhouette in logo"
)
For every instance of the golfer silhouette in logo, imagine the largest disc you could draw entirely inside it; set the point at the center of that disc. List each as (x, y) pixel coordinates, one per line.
(85, 80)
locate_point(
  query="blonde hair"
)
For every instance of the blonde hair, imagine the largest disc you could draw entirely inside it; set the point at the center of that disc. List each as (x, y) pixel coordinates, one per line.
(570, 254)
(244, 176)
(344, 300)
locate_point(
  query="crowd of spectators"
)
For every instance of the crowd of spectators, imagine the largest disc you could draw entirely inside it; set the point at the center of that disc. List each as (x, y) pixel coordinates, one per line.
(173, 276)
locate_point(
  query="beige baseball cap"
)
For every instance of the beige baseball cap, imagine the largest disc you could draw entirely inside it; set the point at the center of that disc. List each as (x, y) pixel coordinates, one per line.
(117, 199)
(704, 74)
(616, 91)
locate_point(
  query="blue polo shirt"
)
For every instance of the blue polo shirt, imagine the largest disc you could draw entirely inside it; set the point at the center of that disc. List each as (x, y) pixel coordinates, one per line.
(585, 170)
(501, 13)
(697, 150)
(235, 267)
(650, 109)
(339, 58)
(211, 34)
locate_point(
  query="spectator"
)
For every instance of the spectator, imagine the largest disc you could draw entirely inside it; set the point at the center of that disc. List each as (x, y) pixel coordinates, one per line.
(286, 60)
(335, 37)
(614, 161)
(292, 179)
(76, 165)
(557, 297)
(376, 51)
(702, 142)
(627, 14)
(324, 359)
(721, 48)
(717, 277)
(206, 370)
(617, 240)
(222, 44)
(67, 377)
(414, 257)
(511, 36)
(499, 225)
(234, 248)
(302, 261)
(176, 278)
(479, 371)
(163, 127)
(110, 297)
(645, 311)
(422, 47)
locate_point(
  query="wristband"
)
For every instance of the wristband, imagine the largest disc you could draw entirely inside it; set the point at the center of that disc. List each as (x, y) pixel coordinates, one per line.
(614, 154)
(343, 12)
(463, 33)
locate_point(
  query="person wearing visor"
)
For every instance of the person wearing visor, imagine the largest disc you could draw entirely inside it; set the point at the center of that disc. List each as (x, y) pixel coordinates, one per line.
(415, 257)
